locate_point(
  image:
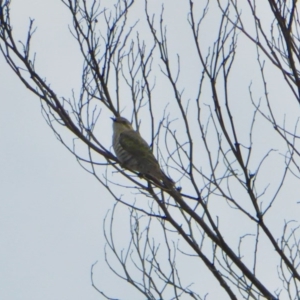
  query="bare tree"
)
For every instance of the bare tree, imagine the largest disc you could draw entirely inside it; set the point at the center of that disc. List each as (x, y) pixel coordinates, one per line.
(233, 152)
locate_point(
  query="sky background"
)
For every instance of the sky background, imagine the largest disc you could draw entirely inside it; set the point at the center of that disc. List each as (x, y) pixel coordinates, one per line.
(51, 210)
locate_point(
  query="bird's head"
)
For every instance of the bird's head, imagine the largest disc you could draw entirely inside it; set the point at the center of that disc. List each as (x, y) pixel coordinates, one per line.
(121, 124)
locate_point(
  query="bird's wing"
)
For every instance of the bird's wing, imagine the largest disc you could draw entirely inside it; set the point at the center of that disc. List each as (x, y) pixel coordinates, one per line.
(132, 142)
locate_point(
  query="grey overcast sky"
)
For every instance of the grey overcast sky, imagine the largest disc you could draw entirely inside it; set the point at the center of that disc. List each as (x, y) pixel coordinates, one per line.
(51, 210)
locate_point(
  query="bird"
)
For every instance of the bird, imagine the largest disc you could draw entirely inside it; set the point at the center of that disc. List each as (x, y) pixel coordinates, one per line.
(135, 154)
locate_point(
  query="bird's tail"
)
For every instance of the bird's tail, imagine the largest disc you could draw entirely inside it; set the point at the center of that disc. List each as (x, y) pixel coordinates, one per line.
(168, 182)
(160, 178)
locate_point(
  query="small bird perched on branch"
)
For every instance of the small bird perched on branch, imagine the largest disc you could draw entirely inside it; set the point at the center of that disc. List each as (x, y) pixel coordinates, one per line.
(134, 153)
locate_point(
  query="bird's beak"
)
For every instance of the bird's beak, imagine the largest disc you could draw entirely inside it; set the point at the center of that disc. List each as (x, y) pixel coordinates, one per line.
(114, 119)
